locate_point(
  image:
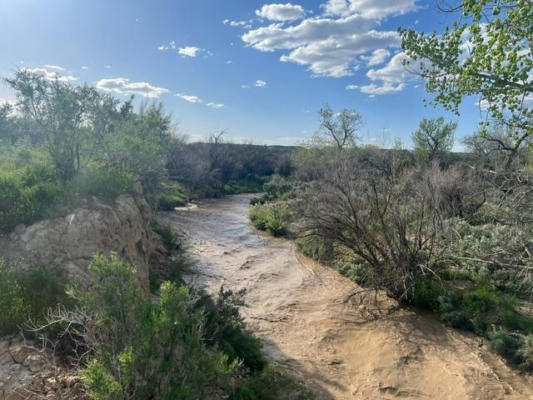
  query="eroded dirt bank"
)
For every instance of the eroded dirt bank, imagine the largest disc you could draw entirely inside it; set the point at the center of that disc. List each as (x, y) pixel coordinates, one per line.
(345, 349)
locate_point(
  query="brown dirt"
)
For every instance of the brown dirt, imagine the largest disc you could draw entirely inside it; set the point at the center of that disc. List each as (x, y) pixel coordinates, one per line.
(362, 348)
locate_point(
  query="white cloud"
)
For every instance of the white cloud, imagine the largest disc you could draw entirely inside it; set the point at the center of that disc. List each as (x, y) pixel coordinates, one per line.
(171, 46)
(229, 62)
(107, 67)
(377, 57)
(260, 83)
(395, 71)
(352, 87)
(189, 51)
(124, 86)
(385, 88)
(197, 100)
(243, 24)
(329, 47)
(52, 74)
(245, 86)
(84, 67)
(281, 12)
(54, 67)
(189, 98)
(370, 8)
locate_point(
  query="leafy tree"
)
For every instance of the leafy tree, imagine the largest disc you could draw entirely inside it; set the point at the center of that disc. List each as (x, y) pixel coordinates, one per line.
(338, 129)
(7, 124)
(433, 138)
(59, 113)
(486, 53)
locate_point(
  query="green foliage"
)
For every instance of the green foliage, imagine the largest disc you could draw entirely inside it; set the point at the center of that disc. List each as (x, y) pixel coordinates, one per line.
(25, 295)
(179, 347)
(494, 64)
(105, 183)
(433, 139)
(316, 247)
(270, 218)
(28, 188)
(225, 327)
(170, 236)
(250, 184)
(426, 294)
(173, 195)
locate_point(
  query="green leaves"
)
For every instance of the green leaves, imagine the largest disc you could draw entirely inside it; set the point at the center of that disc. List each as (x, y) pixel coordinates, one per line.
(486, 54)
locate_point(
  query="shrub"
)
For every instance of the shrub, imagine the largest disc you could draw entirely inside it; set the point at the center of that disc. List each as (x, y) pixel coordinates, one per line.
(170, 237)
(28, 189)
(272, 219)
(426, 294)
(179, 347)
(103, 182)
(250, 184)
(173, 196)
(27, 294)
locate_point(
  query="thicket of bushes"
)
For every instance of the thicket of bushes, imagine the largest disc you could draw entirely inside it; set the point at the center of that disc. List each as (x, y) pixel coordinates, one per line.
(447, 233)
(65, 143)
(26, 295)
(185, 345)
(270, 218)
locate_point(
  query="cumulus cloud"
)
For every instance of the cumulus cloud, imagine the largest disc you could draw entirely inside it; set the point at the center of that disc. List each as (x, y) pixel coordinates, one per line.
(124, 86)
(260, 83)
(281, 12)
(377, 57)
(370, 8)
(52, 72)
(189, 51)
(195, 99)
(327, 46)
(344, 38)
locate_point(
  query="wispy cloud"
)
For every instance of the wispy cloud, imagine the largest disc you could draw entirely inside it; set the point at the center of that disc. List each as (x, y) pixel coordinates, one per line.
(260, 83)
(123, 86)
(189, 98)
(52, 72)
(195, 99)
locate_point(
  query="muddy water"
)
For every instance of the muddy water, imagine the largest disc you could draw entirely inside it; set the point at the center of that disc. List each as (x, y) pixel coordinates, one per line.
(312, 325)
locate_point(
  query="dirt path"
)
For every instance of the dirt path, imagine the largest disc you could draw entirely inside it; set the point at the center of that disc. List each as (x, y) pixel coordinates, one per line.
(345, 350)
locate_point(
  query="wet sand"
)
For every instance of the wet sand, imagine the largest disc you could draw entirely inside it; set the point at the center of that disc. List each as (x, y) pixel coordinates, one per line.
(345, 347)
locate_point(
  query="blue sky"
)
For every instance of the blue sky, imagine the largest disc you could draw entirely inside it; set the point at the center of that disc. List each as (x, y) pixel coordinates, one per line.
(258, 69)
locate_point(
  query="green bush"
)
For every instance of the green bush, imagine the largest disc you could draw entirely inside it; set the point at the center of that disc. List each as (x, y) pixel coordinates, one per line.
(28, 189)
(272, 219)
(170, 236)
(251, 184)
(316, 247)
(26, 295)
(426, 294)
(179, 347)
(103, 182)
(173, 196)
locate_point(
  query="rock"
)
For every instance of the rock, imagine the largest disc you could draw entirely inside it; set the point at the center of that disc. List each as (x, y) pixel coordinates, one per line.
(123, 227)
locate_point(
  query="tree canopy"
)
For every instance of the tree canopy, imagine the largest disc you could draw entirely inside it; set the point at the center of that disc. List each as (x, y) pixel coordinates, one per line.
(485, 53)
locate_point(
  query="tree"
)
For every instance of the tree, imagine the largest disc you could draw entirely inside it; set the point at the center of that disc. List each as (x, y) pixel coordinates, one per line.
(338, 129)
(433, 139)
(59, 112)
(485, 53)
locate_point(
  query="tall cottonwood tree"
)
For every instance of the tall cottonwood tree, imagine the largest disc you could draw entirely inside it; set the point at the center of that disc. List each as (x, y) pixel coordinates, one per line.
(485, 53)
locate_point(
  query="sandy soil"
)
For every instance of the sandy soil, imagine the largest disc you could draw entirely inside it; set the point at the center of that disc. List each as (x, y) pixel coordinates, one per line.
(359, 347)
